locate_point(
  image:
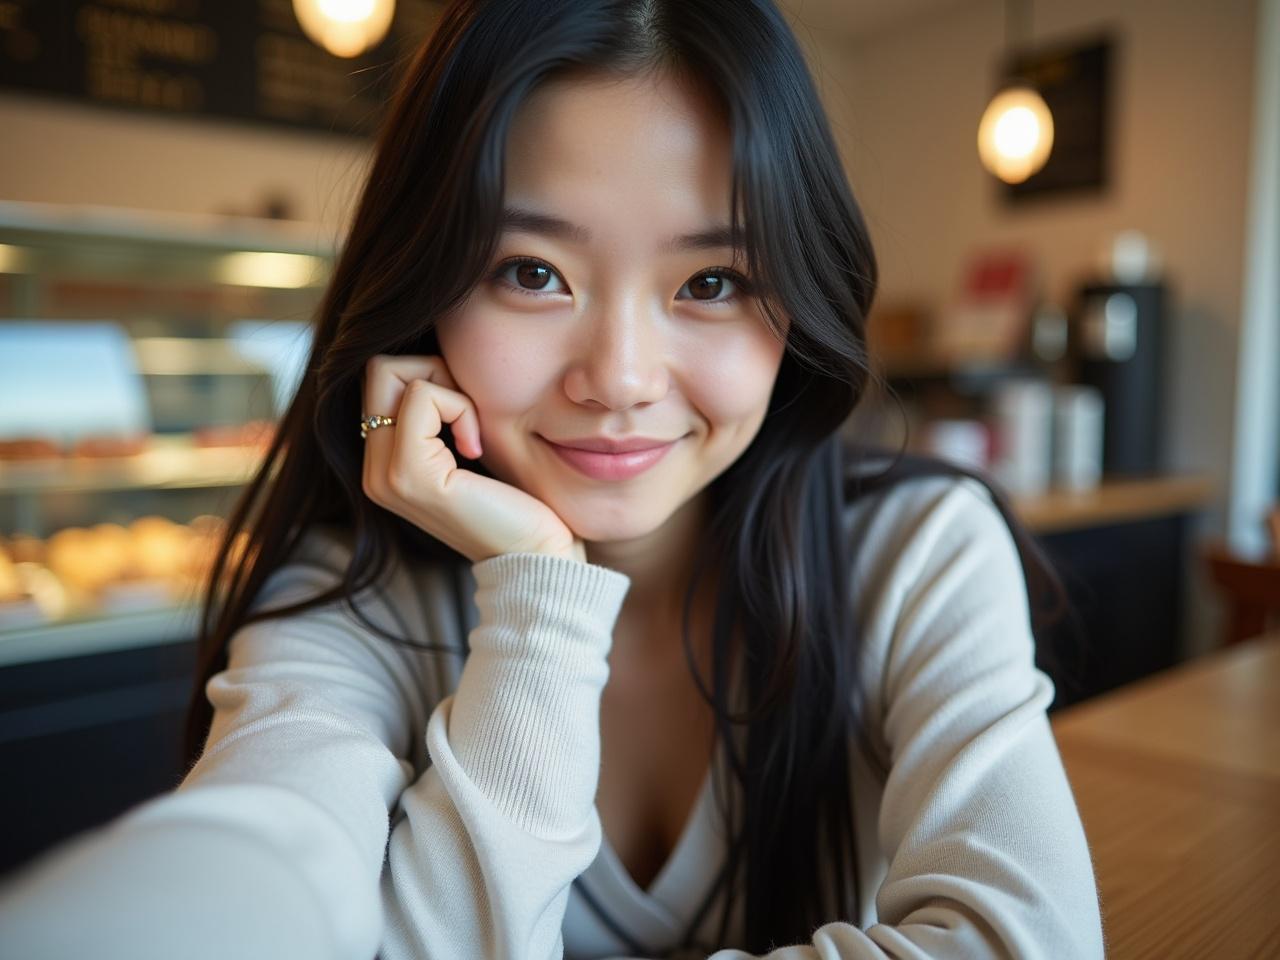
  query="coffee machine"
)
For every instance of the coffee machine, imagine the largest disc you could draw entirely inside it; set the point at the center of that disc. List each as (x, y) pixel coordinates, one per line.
(1118, 343)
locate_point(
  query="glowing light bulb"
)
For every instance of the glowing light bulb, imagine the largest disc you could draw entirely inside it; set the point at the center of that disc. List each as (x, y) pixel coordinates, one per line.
(347, 11)
(1016, 134)
(345, 28)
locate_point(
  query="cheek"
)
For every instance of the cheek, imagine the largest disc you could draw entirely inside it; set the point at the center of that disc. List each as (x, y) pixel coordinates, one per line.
(497, 367)
(732, 378)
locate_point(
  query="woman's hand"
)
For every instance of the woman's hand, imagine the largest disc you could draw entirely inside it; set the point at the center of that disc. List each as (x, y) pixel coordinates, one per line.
(409, 470)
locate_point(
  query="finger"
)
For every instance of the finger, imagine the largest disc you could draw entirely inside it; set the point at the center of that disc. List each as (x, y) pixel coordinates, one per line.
(382, 390)
(387, 375)
(452, 407)
(385, 380)
(424, 407)
(465, 425)
(466, 428)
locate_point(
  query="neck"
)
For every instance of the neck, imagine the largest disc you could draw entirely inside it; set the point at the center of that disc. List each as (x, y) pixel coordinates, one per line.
(660, 566)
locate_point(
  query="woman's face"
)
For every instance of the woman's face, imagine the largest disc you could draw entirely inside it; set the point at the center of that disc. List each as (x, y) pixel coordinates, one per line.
(612, 327)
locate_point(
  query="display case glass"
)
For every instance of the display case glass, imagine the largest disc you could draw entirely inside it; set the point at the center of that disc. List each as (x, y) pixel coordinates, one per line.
(144, 361)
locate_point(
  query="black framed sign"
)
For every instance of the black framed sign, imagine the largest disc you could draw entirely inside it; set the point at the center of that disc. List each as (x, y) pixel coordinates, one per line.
(232, 59)
(1075, 80)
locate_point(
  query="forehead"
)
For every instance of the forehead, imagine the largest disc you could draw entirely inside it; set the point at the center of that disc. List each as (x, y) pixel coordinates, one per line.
(643, 153)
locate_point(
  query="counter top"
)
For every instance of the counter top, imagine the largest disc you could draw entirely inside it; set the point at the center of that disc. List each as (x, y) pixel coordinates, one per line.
(1177, 778)
(1114, 501)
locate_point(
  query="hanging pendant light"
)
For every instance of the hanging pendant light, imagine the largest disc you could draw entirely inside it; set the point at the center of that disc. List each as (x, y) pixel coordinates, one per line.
(345, 28)
(1015, 135)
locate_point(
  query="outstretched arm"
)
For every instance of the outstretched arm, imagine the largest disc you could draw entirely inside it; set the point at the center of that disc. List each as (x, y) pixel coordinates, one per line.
(279, 843)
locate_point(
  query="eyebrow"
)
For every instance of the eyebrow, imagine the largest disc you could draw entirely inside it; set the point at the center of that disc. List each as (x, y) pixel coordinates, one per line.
(530, 221)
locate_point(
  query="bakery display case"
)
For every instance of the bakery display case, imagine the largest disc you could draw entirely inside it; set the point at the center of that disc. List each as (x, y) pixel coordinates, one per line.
(144, 359)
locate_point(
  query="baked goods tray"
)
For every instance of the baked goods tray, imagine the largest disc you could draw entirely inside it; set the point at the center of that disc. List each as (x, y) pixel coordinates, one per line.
(167, 465)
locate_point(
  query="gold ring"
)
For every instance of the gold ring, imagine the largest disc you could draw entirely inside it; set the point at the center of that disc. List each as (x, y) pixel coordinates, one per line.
(373, 423)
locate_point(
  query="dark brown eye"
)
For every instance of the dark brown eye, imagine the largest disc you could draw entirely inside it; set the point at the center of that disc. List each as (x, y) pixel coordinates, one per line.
(532, 275)
(710, 287)
(528, 276)
(706, 287)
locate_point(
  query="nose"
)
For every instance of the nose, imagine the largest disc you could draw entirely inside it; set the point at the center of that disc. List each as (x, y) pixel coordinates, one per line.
(621, 360)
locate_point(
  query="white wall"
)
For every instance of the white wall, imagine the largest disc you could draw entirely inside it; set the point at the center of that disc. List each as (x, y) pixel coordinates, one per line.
(906, 102)
(64, 152)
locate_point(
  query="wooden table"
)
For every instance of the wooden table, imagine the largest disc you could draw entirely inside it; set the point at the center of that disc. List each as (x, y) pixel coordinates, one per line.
(1177, 778)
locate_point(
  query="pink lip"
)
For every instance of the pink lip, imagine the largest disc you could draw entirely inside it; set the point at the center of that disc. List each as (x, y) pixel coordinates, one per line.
(604, 459)
(609, 445)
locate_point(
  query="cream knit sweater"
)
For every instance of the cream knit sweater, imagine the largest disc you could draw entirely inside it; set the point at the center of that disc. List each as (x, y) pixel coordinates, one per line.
(359, 798)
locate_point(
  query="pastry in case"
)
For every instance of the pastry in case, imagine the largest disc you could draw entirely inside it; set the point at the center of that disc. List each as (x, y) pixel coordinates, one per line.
(110, 568)
(30, 448)
(29, 594)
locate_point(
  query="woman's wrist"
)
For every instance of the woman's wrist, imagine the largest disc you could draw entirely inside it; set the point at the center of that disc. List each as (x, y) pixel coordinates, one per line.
(574, 551)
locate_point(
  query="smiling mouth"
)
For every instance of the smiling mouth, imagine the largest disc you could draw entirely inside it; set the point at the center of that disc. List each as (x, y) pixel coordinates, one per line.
(602, 465)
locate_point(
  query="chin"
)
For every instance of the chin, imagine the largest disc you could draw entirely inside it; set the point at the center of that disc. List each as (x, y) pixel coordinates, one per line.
(610, 524)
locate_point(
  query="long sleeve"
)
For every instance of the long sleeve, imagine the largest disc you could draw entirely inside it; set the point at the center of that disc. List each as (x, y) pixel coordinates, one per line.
(279, 843)
(496, 835)
(986, 853)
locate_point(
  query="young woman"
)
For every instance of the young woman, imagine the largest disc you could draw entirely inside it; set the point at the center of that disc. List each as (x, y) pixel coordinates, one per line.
(595, 639)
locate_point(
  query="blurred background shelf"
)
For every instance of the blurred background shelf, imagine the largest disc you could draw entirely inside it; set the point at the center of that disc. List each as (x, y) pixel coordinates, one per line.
(906, 372)
(1115, 501)
(77, 226)
(158, 273)
(171, 463)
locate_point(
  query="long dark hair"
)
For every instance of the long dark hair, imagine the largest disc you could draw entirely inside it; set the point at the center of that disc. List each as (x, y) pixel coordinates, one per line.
(423, 233)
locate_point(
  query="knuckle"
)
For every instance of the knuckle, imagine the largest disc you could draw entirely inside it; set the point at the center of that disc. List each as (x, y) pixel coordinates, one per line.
(439, 459)
(399, 482)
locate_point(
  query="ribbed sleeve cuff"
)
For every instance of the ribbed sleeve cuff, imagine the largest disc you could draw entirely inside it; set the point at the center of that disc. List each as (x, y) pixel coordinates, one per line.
(525, 718)
(541, 605)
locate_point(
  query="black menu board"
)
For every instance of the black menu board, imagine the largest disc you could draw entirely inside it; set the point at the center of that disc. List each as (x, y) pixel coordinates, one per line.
(238, 59)
(1074, 78)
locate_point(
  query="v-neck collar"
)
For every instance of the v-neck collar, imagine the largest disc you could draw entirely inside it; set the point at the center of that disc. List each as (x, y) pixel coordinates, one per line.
(662, 879)
(659, 913)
